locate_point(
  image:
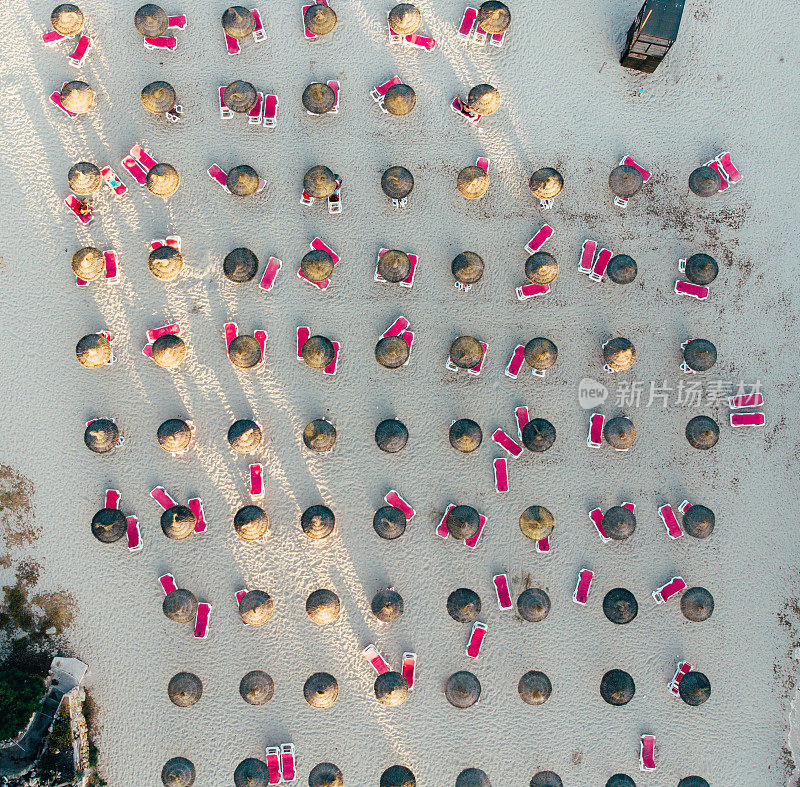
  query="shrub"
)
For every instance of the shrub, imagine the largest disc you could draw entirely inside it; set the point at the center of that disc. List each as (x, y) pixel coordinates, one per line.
(20, 695)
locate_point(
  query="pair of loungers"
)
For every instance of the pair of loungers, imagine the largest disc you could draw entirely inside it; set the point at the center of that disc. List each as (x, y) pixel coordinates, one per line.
(203, 616)
(594, 262)
(476, 370)
(442, 531)
(729, 175)
(303, 334)
(264, 111)
(216, 173)
(168, 42)
(281, 763)
(319, 245)
(134, 534)
(470, 32)
(400, 328)
(231, 331)
(409, 280)
(234, 45)
(160, 495)
(78, 56)
(379, 663)
(621, 202)
(596, 515)
(111, 273)
(413, 41)
(742, 401)
(478, 633)
(334, 200)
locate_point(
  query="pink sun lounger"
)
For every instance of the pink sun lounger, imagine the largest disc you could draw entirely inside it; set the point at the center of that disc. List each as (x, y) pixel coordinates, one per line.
(745, 400)
(420, 42)
(596, 515)
(256, 482)
(138, 172)
(218, 174)
(473, 542)
(159, 494)
(254, 115)
(331, 367)
(647, 760)
(600, 265)
(497, 39)
(287, 762)
(378, 92)
(134, 534)
(539, 239)
(112, 180)
(479, 36)
(501, 474)
(693, 290)
(270, 111)
(621, 202)
(483, 163)
(393, 499)
(76, 58)
(112, 498)
(224, 112)
(681, 670)
(396, 328)
(507, 443)
(110, 257)
(441, 528)
(543, 545)
(231, 332)
(670, 521)
(303, 334)
(684, 506)
(333, 84)
(581, 594)
(270, 273)
(630, 506)
(747, 419)
(531, 291)
(476, 370)
(515, 364)
(167, 583)
(729, 171)
(394, 38)
(259, 34)
(143, 157)
(202, 619)
(522, 416)
(51, 38)
(502, 591)
(666, 592)
(460, 108)
(467, 23)
(274, 764)
(410, 669)
(169, 43)
(239, 595)
(595, 438)
(586, 261)
(476, 638)
(173, 328)
(306, 32)
(373, 656)
(196, 507)
(177, 22)
(55, 98)
(74, 204)
(232, 44)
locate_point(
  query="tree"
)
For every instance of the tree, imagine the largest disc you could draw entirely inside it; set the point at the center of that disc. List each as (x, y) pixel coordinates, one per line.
(20, 695)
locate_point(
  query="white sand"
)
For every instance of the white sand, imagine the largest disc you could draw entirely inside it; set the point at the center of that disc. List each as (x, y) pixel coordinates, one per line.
(567, 103)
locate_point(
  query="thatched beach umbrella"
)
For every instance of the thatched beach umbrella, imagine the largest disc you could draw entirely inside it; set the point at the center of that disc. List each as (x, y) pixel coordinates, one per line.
(178, 772)
(700, 355)
(701, 269)
(174, 435)
(151, 20)
(158, 97)
(317, 265)
(238, 22)
(240, 265)
(697, 604)
(400, 100)
(472, 777)
(242, 181)
(325, 774)
(244, 351)
(466, 352)
(317, 522)
(180, 606)
(617, 687)
(391, 435)
(387, 605)
(323, 606)
(619, 523)
(540, 353)
(178, 522)
(546, 779)
(619, 354)
(251, 522)
(319, 436)
(702, 432)
(538, 435)
(163, 180)
(462, 522)
(84, 178)
(541, 268)
(392, 352)
(467, 267)
(256, 607)
(405, 19)
(77, 96)
(534, 688)
(318, 98)
(184, 689)
(398, 776)
(620, 606)
(251, 773)
(625, 181)
(698, 521)
(257, 687)
(693, 781)
(93, 351)
(536, 523)
(240, 96)
(109, 525)
(484, 99)
(394, 265)
(88, 263)
(494, 16)
(67, 19)
(465, 435)
(462, 689)
(101, 436)
(317, 352)
(620, 432)
(472, 182)
(168, 351)
(397, 182)
(389, 522)
(694, 688)
(705, 181)
(244, 436)
(319, 19)
(321, 690)
(546, 183)
(620, 780)
(165, 263)
(391, 689)
(319, 182)
(621, 269)
(533, 605)
(464, 605)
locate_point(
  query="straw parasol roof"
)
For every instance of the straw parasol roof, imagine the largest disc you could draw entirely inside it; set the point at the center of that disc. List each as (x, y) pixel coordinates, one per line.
(546, 183)
(697, 604)
(251, 522)
(620, 606)
(169, 351)
(534, 688)
(151, 20)
(472, 182)
(325, 774)
(391, 435)
(244, 351)
(400, 100)
(319, 436)
(321, 690)
(620, 780)
(693, 781)
(67, 19)
(472, 777)
(538, 435)
(389, 522)
(546, 779)
(392, 352)
(317, 522)
(163, 180)
(494, 16)
(462, 522)
(84, 178)
(184, 689)
(541, 268)
(398, 776)
(317, 265)
(319, 19)
(700, 355)
(405, 19)
(180, 606)
(238, 22)
(318, 98)
(323, 606)
(387, 605)
(394, 265)
(621, 269)
(540, 353)
(464, 605)
(165, 263)
(93, 351)
(391, 689)
(319, 182)
(698, 521)
(243, 181)
(109, 525)
(256, 607)
(462, 689)
(619, 353)
(619, 523)
(467, 267)
(158, 97)
(617, 687)
(257, 687)
(625, 181)
(251, 773)
(533, 605)
(466, 352)
(77, 97)
(702, 432)
(704, 181)
(620, 432)
(88, 263)
(701, 269)
(484, 99)
(397, 182)
(101, 436)
(694, 688)
(240, 96)
(178, 522)
(240, 265)
(465, 435)
(244, 436)
(178, 772)
(318, 352)
(536, 523)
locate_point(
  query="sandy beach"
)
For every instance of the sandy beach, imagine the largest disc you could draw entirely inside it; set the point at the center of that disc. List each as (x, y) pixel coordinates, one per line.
(726, 85)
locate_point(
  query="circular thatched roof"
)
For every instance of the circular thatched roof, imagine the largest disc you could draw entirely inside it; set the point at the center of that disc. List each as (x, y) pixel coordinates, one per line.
(625, 181)
(256, 607)
(484, 99)
(240, 96)
(472, 777)
(243, 181)
(392, 352)
(536, 523)
(702, 433)
(169, 351)
(701, 269)
(238, 22)
(541, 268)
(178, 772)
(240, 265)
(397, 182)
(394, 265)
(621, 269)
(462, 689)
(534, 688)
(619, 523)
(165, 263)
(151, 20)
(546, 779)
(533, 605)
(77, 96)
(693, 781)
(546, 183)
(694, 688)
(180, 606)
(391, 689)
(317, 522)
(700, 355)
(318, 98)
(319, 436)
(317, 265)
(705, 182)
(93, 351)
(325, 774)
(158, 97)
(617, 687)
(88, 263)
(540, 353)
(464, 605)
(178, 522)
(465, 435)
(391, 435)
(538, 435)
(462, 522)
(620, 606)
(323, 606)
(109, 525)
(251, 773)
(494, 16)
(318, 352)
(405, 19)
(257, 687)
(184, 689)
(620, 780)
(251, 522)
(244, 436)
(387, 605)
(321, 690)
(619, 353)
(472, 182)
(466, 352)
(163, 180)
(67, 19)
(101, 436)
(84, 178)
(698, 521)
(697, 604)
(389, 522)
(620, 432)
(467, 267)
(244, 351)
(319, 19)
(400, 100)
(398, 776)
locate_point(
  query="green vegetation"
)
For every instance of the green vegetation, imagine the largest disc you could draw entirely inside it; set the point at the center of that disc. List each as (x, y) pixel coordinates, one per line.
(56, 762)
(20, 695)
